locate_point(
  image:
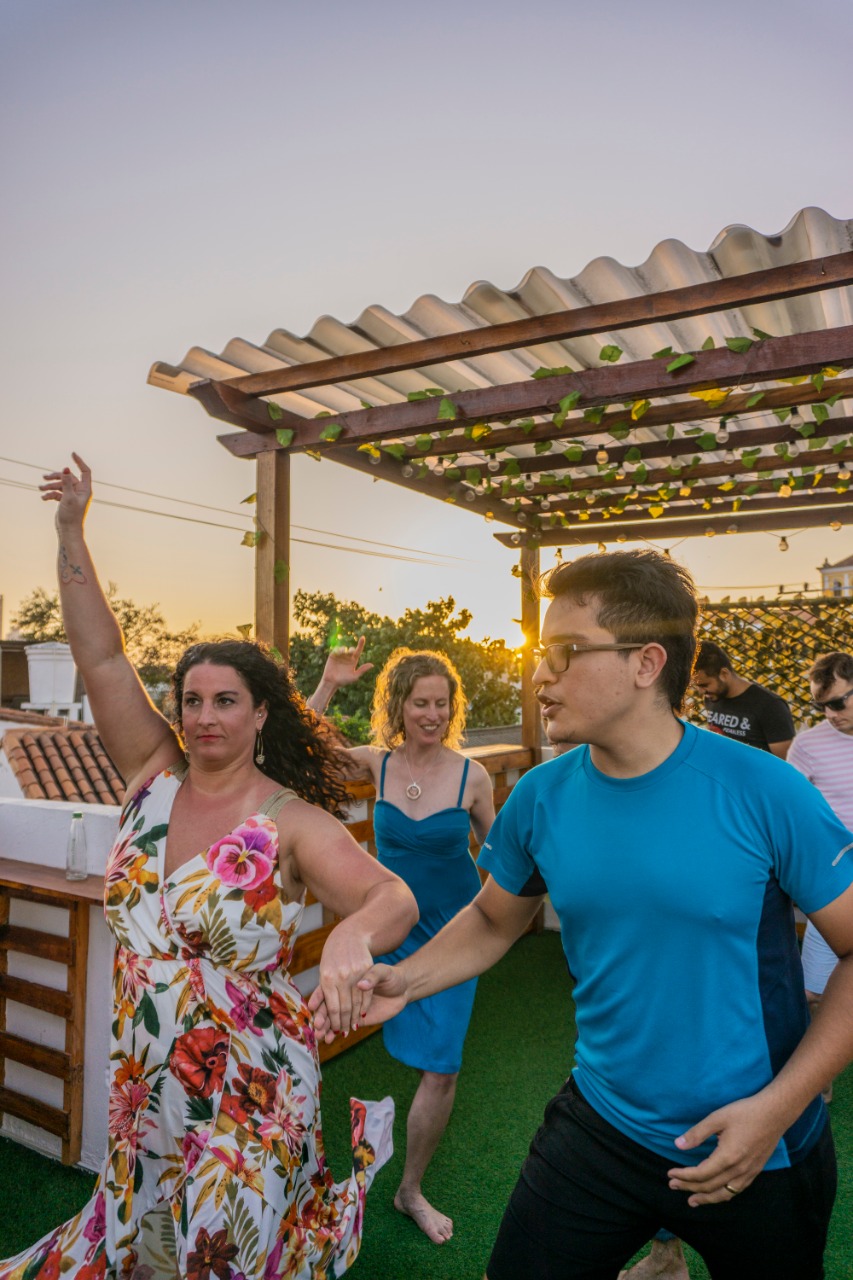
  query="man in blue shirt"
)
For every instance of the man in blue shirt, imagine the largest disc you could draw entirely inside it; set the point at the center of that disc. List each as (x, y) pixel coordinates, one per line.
(671, 856)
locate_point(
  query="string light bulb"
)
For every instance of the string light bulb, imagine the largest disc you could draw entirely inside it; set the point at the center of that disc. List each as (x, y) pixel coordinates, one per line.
(785, 490)
(709, 531)
(515, 538)
(470, 495)
(793, 449)
(602, 547)
(493, 464)
(529, 484)
(835, 525)
(437, 470)
(844, 472)
(684, 491)
(490, 515)
(544, 505)
(602, 456)
(375, 459)
(729, 457)
(783, 543)
(722, 435)
(407, 472)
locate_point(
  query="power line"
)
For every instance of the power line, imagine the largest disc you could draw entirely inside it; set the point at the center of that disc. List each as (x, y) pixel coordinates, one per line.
(187, 502)
(213, 524)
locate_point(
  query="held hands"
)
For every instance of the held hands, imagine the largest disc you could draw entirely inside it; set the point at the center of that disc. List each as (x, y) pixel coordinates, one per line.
(73, 495)
(345, 960)
(383, 993)
(747, 1132)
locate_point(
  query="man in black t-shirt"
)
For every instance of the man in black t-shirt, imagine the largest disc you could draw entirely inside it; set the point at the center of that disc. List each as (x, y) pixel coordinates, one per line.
(739, 708)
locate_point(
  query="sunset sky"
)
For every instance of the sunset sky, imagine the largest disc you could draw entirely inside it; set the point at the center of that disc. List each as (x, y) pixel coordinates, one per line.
(178, 174)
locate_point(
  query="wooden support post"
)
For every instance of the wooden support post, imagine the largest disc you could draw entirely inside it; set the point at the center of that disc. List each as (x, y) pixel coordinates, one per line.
(531, 724)
(272, 554)
(4, 920)
(75, 1032)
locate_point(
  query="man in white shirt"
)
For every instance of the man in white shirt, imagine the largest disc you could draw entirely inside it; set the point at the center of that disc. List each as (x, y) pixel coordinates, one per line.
(824, 754)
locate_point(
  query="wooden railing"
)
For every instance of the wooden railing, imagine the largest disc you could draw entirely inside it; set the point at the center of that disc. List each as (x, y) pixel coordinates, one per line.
(49, 887)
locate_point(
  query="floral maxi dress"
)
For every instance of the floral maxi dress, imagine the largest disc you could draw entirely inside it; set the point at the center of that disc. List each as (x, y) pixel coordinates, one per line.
(215, 1168)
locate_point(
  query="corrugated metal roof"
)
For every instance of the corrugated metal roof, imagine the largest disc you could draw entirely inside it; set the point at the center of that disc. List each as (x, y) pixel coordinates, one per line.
(812, 233)
(737, 250)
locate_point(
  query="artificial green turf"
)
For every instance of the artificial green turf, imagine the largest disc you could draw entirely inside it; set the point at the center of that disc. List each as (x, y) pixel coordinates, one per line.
(517, 1055)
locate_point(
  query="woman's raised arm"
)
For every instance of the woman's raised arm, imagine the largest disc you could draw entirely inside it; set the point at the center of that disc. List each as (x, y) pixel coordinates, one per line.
(134, 732)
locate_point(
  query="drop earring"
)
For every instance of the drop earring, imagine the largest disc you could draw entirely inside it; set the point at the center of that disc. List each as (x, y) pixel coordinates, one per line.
(259, 749)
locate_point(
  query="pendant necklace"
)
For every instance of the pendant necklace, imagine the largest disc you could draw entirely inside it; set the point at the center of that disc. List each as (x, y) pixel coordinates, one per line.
(413, 791)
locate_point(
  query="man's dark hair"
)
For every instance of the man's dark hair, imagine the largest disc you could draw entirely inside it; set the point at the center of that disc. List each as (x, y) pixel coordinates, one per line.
(829, 668)
(640, 597)
(711, 659)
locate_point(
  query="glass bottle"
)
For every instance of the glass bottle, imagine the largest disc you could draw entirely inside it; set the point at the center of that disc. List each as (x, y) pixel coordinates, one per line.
(75, 857)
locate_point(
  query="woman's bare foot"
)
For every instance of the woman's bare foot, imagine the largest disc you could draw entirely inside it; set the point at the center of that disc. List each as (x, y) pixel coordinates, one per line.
(437, 1226)
(665, 1262)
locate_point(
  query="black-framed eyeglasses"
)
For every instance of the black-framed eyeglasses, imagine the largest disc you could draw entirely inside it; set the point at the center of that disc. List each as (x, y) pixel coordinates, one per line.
(558, 656)
(831, 704)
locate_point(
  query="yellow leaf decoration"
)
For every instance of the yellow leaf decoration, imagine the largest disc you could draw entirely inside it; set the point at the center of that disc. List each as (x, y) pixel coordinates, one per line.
(639, 407)
(479, 429)
(711, 395)
(656, 510)
(370, 450)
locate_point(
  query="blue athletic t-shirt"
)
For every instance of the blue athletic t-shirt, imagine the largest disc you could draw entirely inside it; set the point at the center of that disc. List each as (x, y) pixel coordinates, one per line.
(673, 891)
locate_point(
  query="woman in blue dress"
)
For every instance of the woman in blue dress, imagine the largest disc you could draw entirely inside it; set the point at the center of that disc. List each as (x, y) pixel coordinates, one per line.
(429, 797)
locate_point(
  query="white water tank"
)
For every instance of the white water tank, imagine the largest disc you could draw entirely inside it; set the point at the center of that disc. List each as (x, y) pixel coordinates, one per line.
(52, 676)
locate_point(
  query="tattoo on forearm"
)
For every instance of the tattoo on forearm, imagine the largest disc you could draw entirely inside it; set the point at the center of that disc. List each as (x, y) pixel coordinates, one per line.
(68, 572)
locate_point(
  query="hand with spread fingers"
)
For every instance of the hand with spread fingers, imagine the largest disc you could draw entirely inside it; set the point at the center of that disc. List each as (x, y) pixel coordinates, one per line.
(73, 495)
(747, 1132)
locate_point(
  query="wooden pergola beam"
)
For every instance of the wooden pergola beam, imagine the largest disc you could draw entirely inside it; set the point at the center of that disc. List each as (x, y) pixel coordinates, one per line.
(247, 444)
(663, 414)
(781, 517)
(737, 470)
(788, 281)
(797, 355)
(700, 492)
(746, 438)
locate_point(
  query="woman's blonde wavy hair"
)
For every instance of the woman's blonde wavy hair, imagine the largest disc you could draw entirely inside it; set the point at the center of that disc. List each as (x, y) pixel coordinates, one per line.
(394, 685)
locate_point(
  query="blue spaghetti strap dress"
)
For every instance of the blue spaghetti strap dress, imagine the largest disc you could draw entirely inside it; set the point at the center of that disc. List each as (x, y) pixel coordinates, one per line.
(431, 854)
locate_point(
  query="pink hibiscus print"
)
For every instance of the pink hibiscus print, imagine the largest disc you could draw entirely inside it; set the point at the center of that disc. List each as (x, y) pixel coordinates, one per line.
(245, 858)
(95, 1228)
(245, 1003)
(192, 1146)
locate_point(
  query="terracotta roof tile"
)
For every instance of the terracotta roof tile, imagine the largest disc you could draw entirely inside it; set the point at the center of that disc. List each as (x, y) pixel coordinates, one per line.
(15, 716)
(63, 764)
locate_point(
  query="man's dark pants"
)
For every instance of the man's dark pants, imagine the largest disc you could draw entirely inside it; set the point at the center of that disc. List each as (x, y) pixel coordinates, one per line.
(588, 1198)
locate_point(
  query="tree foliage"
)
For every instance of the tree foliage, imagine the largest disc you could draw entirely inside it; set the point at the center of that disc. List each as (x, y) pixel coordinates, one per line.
(489, 669)
(151, 646)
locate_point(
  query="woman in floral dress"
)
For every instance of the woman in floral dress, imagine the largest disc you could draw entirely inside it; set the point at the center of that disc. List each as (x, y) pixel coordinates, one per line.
(215, 1166)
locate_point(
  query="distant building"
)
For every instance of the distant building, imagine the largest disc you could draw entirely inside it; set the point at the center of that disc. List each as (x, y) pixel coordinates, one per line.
(837, 579)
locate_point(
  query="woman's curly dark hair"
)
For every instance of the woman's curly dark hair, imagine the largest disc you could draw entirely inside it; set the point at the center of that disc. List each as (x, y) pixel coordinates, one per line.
(301, 750)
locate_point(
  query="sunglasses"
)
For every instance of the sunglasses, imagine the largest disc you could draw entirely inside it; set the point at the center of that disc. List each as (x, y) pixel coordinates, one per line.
(832, 704)
(558, 656)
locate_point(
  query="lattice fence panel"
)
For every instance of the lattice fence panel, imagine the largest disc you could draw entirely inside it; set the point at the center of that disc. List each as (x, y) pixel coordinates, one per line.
(775, 643)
